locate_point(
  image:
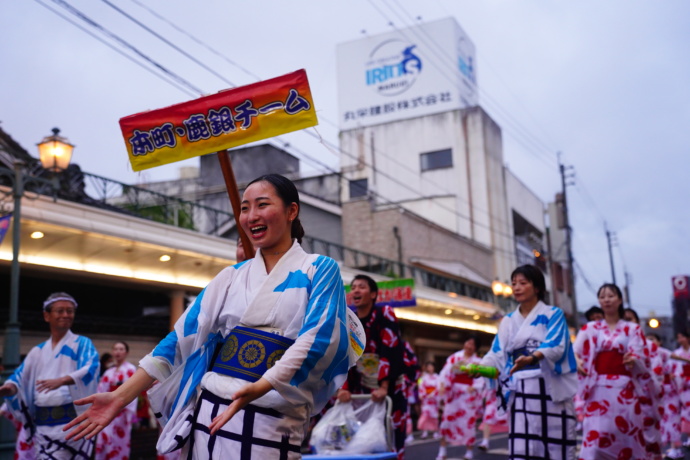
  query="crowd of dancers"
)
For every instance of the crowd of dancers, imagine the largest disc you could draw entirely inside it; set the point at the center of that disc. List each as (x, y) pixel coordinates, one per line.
(627, 395)
(270, 342)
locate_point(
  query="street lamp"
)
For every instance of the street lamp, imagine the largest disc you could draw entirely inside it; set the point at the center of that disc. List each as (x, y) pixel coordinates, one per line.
(55, 154)
(502, 293)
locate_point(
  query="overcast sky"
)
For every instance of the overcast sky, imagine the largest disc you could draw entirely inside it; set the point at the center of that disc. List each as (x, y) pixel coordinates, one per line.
(605, 83)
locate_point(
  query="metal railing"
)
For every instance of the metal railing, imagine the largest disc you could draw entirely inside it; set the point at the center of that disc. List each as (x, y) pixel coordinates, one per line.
(155, 206)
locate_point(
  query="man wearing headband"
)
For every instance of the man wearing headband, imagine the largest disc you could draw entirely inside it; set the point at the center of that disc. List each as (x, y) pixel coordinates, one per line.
(55, 373)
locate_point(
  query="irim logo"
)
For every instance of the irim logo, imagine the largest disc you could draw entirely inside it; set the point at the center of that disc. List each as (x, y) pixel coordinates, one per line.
(392, 71)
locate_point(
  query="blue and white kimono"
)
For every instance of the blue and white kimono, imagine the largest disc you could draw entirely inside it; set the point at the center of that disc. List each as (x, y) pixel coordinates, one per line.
(540, 397)
(302, 298)
(74, 356)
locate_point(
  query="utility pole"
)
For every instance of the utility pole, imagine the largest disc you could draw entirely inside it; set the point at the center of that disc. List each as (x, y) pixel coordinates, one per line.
(626, 289)
(567, 173)
(609, 239)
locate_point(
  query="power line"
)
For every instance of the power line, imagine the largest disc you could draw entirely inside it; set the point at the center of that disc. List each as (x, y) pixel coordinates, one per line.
(125, 44)
(453, 211)
(440, 52)
(169, 43)
(197, 40)
(117, 50)
(83, 17)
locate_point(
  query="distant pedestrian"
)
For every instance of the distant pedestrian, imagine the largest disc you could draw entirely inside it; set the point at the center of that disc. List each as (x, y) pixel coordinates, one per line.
(664, 369)
(683, 373)
(106, 362)
(613, 359)
(411, 375)
(533, 353)
(429, 399)
(651, 401)
(462, 400)
(595, 313)
(113, 443)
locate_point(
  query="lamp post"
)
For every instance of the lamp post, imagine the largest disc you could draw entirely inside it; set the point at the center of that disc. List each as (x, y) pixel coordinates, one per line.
(55, 154)
(502, 293)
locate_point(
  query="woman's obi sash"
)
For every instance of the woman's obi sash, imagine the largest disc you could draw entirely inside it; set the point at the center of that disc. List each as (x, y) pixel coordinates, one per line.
(55, 415)
(610, 363)
(248, 353)
(463, 378)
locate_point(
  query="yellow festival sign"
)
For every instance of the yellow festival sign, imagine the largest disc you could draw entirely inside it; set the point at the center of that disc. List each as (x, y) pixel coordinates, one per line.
(218, 122)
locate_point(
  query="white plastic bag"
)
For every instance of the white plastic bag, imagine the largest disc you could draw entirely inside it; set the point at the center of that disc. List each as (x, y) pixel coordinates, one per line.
(371, 437)
(335, 430)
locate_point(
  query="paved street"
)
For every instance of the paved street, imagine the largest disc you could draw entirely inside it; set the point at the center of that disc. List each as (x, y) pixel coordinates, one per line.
(427, 449)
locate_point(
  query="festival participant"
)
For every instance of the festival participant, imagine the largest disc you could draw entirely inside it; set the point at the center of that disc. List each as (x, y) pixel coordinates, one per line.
(428, 395)
(462, 400)
(493, 419)
(411, 375)
(664, 369)
(533, 353)
(594, 313)
(283, 323)
(612, 357)
(683, 373)
(54, 374)
(379, 371)
(113, 443)
(24, 446)
(652, 401)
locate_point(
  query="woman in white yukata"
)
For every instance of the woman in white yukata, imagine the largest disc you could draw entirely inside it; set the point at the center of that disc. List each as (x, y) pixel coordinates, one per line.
(537, 372)
(612, 356)
(683, 373)
(283, 324)
(664, 364)
(113, 443)
(428, 396)
(462, 400)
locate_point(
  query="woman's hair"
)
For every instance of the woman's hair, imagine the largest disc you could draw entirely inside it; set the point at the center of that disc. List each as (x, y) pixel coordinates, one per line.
(534, 276)
(475, 338)
(656, 336)
(616, 290)
(593, 311)
(287, 192)
(634, 313)
(123, 343)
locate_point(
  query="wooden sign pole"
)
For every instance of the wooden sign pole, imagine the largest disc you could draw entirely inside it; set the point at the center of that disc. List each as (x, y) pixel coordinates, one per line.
(234, 194)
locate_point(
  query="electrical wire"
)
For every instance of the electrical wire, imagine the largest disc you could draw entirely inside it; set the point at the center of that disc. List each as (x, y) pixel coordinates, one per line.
(440, 53)
(117, 50)
(74, 11)
(455, 212)
(83, 17)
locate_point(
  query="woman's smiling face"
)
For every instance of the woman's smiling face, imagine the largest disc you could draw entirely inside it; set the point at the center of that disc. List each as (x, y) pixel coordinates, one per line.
(265, 218)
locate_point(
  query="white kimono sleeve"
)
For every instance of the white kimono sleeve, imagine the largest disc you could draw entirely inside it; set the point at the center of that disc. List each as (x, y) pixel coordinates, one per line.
(316, 365)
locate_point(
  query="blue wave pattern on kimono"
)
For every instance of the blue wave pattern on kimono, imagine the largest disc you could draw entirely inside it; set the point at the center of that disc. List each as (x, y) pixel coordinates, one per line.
(546, 330)
(304, 295)
(77, 357)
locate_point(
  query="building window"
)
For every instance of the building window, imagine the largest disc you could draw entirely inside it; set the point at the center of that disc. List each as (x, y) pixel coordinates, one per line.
(436, 160)
(359, 188)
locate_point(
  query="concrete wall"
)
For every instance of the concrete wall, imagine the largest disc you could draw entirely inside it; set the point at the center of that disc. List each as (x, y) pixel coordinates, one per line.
(372, 232)
(248, 163)
(468, 199)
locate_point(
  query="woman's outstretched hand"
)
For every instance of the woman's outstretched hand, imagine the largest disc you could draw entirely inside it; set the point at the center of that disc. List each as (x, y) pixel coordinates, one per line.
(241, 398)
(104, 408)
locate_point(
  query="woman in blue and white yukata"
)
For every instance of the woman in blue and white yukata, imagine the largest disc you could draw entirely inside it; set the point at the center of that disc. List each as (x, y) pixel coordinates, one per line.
(537, 370)
(282, 320)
